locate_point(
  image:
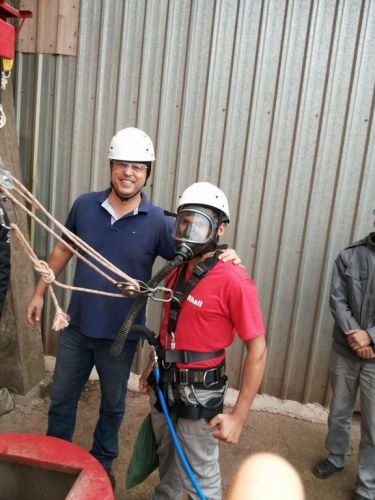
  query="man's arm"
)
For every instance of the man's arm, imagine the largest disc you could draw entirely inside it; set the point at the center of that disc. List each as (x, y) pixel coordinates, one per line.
(230, 424)
(57, 260)
(338, 299)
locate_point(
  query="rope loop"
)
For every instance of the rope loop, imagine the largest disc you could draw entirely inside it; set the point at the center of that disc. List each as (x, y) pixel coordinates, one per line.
(42, 267)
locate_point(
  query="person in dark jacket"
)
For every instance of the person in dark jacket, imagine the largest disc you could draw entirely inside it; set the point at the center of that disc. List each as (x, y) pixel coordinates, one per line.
(352, 367)
(4, 255)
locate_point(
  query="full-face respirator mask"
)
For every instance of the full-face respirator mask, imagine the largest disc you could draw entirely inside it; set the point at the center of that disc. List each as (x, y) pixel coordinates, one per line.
(195, 230)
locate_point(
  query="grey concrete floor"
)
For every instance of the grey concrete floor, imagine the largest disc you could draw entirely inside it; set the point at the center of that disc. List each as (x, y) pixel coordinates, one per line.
(300, 442)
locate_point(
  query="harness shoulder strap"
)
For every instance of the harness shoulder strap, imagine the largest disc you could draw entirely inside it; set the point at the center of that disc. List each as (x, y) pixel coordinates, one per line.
(182, 288)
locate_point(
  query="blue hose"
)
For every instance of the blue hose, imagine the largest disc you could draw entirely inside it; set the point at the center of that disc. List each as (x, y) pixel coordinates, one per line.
(175, 439)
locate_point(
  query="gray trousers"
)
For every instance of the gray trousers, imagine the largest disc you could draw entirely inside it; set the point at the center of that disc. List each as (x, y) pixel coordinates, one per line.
(201, 450)
(347, 376)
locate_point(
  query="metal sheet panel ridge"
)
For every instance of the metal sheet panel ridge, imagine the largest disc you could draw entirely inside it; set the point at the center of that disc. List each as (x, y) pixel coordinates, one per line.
(273, 100)
(85, 97)
(155, 28)
(172, 87)
(104, 105)
(219, 77)
(129, 78)
(282, 189)
(298, 207)
(194, 97)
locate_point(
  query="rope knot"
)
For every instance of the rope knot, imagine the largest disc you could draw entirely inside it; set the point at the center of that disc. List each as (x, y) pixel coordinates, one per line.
(42, 267)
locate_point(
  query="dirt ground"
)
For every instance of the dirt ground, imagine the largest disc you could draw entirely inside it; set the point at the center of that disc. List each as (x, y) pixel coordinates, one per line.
(299, 441)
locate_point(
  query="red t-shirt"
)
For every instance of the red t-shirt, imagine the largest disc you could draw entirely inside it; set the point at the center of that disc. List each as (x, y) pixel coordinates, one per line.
(225, 301)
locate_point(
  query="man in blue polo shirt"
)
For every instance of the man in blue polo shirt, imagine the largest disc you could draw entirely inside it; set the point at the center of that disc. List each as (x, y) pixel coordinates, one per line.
(128, 230)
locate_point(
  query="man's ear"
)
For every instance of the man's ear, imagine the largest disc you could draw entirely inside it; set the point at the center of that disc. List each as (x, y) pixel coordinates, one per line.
(221, 229)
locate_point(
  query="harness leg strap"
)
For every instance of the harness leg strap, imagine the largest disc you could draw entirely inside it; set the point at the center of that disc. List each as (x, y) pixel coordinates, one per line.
(197, 412)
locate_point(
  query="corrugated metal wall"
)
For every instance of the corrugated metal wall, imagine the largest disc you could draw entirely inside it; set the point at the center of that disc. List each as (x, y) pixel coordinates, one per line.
(272, 100)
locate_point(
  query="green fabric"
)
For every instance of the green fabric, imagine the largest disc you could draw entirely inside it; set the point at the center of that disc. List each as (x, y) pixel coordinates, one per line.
(144, 458)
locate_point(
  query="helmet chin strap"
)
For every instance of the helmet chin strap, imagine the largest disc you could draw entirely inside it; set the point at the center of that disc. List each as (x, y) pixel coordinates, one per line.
(124, 198)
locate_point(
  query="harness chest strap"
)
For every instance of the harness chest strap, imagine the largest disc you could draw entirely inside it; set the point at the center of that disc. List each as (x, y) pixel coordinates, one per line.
(181, 289)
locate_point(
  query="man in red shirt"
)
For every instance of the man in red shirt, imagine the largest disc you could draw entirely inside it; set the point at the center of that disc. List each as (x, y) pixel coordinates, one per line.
(211, 301)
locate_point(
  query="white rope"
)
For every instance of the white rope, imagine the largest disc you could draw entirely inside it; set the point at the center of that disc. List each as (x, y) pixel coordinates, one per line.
(21, 190)
(76, 240)
(61, 319)
(47, 274)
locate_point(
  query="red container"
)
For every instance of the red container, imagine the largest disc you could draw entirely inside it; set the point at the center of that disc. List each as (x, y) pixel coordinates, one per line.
(7, 38)
(38, 467)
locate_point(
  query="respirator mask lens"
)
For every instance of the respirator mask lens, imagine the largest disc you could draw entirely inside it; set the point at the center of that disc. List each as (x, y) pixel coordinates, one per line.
(193, 226)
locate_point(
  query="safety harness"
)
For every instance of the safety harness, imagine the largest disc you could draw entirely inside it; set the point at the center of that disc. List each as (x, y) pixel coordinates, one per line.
(195, 378)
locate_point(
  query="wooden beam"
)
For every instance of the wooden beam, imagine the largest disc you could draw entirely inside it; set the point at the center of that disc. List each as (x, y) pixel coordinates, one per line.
(53, 28)
(48, 12)
(67, 27)
(28, 34)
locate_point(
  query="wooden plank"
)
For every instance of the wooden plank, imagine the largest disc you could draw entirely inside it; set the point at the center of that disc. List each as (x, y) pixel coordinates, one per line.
(67, 27)
(53, 29)
(48, 11)
(26, 41)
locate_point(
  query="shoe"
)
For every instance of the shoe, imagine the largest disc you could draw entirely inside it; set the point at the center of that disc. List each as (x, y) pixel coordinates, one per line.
(111, 477)
(325, 468)
(357, 496)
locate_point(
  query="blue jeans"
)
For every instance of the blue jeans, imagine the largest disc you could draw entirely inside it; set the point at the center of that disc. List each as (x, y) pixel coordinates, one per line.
(76, 356)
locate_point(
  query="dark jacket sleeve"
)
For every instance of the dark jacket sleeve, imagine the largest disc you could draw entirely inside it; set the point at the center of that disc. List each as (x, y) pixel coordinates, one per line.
(339, 297)
(4, 256)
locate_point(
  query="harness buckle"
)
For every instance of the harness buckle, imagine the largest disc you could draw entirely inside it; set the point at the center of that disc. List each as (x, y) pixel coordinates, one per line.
(214, 382)
(183, 375)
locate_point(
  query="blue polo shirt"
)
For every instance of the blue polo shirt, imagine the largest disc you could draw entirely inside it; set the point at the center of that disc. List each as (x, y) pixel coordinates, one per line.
(131, 243)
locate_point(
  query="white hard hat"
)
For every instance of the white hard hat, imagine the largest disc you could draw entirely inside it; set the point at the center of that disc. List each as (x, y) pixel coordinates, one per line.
(131, 144)
(205, 194)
